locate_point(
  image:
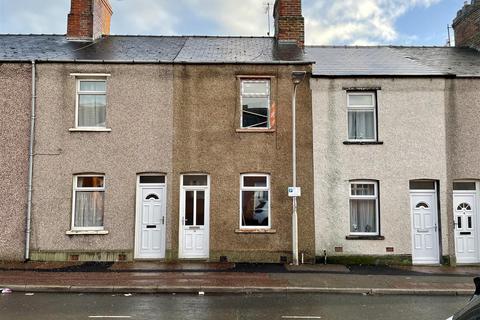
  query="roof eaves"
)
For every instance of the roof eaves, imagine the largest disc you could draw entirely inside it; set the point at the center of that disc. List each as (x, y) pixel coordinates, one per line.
(385, 75)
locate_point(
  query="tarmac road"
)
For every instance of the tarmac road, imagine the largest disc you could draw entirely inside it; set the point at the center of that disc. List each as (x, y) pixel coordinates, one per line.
(19, 306)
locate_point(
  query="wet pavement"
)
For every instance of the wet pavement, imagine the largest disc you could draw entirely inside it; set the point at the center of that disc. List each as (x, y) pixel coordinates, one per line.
(230, 278)
(292, 306)
(150, 266)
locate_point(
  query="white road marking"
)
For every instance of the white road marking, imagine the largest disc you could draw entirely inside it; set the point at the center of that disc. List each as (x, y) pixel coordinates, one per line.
(110, 317)
(301, 317)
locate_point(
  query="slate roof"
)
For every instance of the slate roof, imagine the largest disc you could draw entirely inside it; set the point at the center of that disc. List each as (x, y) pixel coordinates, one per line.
(328, 60)
(393, 61)
(143, 49)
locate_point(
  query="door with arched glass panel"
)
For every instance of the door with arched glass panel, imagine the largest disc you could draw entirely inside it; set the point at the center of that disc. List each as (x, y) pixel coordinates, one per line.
(151, 218)
(464, 210)
(425, 228)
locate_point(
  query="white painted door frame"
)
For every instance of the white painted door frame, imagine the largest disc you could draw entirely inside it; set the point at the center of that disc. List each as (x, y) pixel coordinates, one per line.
(138, 217)
(436, 240)
(183, 190)
(473, 193)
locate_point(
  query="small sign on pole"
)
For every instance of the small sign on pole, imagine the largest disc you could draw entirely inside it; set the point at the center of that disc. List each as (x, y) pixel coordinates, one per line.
(294, 192)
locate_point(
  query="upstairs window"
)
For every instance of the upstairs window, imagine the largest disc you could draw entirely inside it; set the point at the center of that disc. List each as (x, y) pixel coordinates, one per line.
(362, 116)
(364, 208)
(91, 103)
(255, 102)
(88, 202)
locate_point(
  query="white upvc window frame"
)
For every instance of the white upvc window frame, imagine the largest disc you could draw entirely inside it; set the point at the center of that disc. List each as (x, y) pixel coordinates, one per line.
(364, 197)
(75, 188)
(246, 188)
(255, 95)
(78, 93)
(365, 108)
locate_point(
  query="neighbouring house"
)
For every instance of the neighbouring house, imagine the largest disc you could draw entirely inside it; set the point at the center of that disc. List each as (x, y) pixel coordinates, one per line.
(156, 147)
(396, 157)
(15, 106)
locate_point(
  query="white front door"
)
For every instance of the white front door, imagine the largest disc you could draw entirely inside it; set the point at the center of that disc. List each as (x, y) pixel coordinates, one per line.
(194, 217)
(464, 211)
(150, 222)
(425, 238)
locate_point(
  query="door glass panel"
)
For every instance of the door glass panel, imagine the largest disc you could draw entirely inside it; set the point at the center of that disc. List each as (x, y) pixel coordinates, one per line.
(152, 196)
(195, 180)
(464, 186)
(459, 222)
(189, 195)
(200, 208)
(469, 222)
(422, 185)
(422, 205)
(152, 179)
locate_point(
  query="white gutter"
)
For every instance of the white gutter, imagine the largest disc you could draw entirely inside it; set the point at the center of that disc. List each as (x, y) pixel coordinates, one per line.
(30, 165)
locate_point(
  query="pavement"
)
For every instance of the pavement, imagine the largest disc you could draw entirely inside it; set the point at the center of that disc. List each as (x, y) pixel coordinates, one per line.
(221, 278)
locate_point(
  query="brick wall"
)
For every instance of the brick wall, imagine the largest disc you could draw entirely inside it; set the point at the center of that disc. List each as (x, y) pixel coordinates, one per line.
(289, 22)
(467, 26)
(89, 19)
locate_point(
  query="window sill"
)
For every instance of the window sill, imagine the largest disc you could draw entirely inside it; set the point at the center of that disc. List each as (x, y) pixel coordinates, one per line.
(365, 237)
(86, 232)
(90, 130)
(363, 143)
(255, 130)
(255, 231)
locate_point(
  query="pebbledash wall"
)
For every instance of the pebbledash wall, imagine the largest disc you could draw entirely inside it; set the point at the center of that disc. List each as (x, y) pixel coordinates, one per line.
(207, 139)
(412, 127)
(139, 114)
(15, 106)
(171, 119)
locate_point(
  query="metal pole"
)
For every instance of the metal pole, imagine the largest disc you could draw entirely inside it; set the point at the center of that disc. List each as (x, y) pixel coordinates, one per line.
(30, 165)
(294, 175)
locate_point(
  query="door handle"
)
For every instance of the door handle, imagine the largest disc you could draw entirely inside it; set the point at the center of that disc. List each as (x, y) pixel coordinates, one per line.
(163, 220)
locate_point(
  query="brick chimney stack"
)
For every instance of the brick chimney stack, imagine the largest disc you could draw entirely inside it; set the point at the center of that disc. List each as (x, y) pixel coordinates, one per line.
(467, 25)
(289, 21)
(89, 19)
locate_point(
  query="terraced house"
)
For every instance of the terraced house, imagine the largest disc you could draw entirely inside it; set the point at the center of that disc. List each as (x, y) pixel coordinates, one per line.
(395, 150)
(167, 148)
(164, 147)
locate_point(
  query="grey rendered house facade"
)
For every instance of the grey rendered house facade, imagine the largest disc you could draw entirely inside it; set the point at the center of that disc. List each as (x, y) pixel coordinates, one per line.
(395, 153)
(165, 148)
